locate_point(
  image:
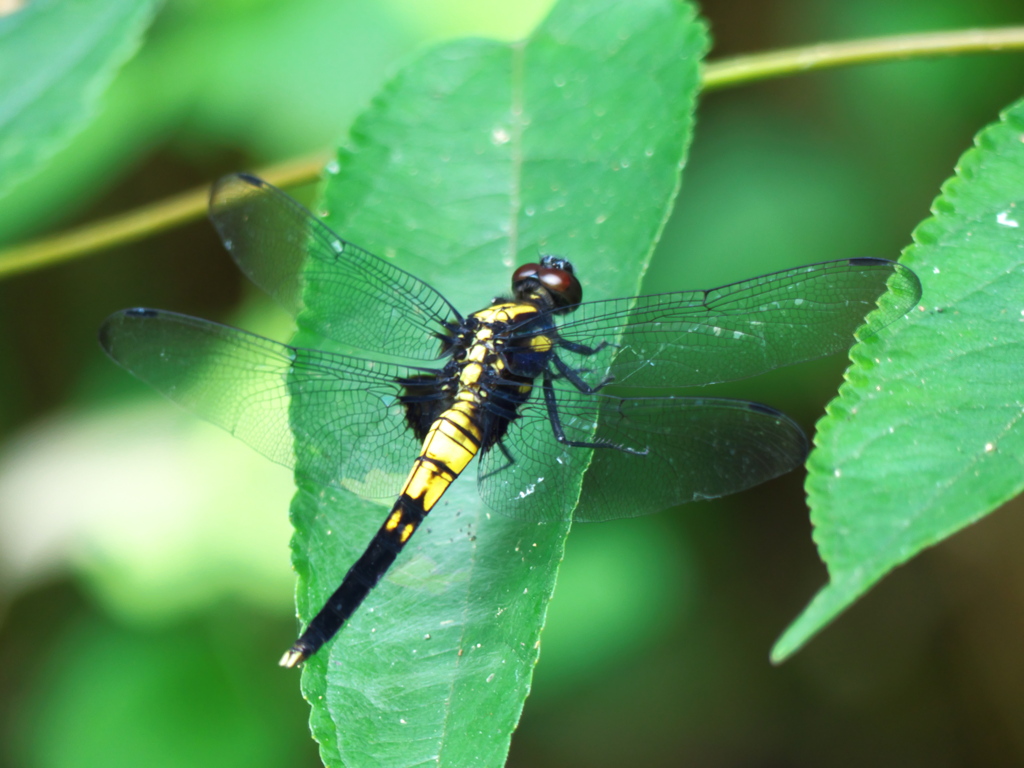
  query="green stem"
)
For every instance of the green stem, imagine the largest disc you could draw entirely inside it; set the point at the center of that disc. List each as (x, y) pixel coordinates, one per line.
(760, 66)
(139, 223)
(188, 206)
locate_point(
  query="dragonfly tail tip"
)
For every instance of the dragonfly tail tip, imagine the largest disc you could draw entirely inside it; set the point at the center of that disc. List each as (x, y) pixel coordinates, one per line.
(292, 658)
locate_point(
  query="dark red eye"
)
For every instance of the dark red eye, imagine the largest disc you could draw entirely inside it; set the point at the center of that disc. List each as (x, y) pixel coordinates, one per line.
(524, 272)
(557, 280)
(563, 283)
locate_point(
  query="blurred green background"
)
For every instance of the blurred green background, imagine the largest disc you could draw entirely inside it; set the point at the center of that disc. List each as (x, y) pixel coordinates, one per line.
(145, 587)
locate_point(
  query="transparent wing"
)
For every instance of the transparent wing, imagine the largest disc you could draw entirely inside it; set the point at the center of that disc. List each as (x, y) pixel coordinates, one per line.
(352, 427)
(346, 294)
(679, 449)
(739, 330)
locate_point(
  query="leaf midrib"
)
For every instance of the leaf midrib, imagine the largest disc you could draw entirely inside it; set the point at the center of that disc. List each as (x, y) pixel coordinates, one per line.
(517, 125)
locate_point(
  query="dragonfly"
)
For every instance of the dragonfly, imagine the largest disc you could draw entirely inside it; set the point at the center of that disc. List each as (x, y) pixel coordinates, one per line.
(520, 385)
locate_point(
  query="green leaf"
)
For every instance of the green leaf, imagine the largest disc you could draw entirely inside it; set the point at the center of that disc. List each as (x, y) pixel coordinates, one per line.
(925, 436)
(477, 157)
(56, 60)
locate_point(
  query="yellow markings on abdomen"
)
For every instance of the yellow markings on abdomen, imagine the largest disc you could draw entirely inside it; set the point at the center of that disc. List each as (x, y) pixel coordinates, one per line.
(451, 443)
(394, 523)
(455, 436)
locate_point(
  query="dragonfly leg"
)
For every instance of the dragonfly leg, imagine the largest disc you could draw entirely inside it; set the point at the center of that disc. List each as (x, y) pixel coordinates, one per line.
(583, 349)
(566, 371)
(510, 460)
(560, 436)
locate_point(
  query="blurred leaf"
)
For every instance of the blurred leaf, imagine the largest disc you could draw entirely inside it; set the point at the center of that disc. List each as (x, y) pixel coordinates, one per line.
(302, 102)
(476, 157)
(937, 441)
(486, 18)
(162, 515)
(613, 589)
(56, 60)
(190, 695)
(205, 70)
(763, 192)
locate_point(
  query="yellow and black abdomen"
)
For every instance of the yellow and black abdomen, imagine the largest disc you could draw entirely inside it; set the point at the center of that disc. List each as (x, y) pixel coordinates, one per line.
(451, 443)
(455, 405)
(458, 412)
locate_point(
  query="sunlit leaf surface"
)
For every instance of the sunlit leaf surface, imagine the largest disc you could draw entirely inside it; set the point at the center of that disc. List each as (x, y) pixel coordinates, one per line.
(56, 59)
(925, 437)
(476, 157)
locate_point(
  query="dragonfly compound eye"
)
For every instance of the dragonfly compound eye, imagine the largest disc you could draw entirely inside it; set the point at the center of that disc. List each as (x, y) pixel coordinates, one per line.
(525, 272)
(562, 284)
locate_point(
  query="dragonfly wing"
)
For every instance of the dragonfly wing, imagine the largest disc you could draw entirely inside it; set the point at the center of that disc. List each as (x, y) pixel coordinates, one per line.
(698, 448)
(703, 337)
(342, 412)
(347, 294)
(656, 452)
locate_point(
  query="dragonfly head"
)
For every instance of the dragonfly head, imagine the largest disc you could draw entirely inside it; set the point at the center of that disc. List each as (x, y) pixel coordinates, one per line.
(553, 283)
